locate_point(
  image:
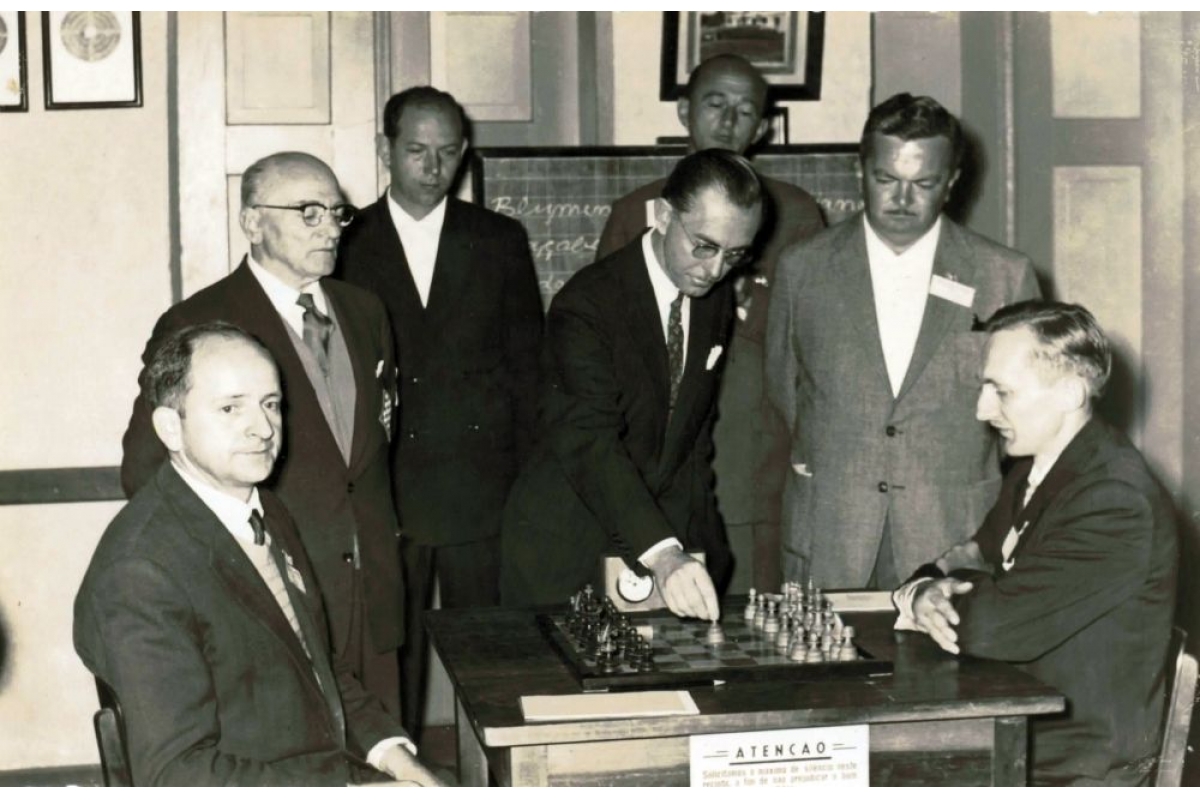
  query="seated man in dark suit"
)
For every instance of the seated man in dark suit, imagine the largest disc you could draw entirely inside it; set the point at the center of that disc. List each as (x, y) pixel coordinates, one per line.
(1072, 575)
(635, 346)
(200, 608)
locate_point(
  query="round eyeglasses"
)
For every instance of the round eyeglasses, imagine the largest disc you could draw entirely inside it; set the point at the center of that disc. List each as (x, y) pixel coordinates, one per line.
(313, 214)
(735, 258)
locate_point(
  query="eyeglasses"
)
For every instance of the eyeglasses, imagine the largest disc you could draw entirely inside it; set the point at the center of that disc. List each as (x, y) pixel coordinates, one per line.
(737, 257)
(314, 213)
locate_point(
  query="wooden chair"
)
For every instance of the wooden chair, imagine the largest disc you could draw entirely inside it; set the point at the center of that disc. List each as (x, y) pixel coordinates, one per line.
(110, 738)
(1181, 696)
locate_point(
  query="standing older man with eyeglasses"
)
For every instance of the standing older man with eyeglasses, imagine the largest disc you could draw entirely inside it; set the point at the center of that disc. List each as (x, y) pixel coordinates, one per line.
(335, 355)
(633, 355)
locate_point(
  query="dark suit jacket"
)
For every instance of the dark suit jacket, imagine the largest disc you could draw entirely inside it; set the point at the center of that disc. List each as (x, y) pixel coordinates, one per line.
(611, 471)
(331, 502)
(919, 460)
(214, 686)
(750, 441)
(468, 365)
(1086, 607)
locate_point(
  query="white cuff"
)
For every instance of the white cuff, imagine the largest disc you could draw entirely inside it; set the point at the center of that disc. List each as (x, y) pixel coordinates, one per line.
(657, 548)
(902, 599)
(375, 757)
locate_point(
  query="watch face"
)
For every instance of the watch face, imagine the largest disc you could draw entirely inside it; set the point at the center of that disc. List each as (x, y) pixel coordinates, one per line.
(632, 587)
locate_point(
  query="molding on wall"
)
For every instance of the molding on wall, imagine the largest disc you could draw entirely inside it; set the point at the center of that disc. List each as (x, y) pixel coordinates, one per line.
(26, 487)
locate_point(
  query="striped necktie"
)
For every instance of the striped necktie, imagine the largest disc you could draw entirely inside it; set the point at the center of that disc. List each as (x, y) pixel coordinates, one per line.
(317, 328)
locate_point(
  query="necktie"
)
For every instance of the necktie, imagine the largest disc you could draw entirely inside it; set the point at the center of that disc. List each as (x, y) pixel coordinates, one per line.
(675, 346)
(273, 572)
(317, 327)
(1020, 499)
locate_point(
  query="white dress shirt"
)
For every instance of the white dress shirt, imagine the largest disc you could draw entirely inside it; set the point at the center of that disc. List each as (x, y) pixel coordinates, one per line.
(900, 283)
(234, 515)
(665, 292)
(283, 297)
(420, 238)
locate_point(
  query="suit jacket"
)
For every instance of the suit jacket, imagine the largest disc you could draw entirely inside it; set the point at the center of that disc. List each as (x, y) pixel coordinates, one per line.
(750, 442)
(214, 686)
(613, 471)
(331, 501)
(1086, 607)
(468, 365)
(919, 460)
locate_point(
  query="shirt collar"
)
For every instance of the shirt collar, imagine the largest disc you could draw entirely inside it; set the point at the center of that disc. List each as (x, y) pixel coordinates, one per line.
(402, 219)
(233, 513)
(922, 249)
(665, 290)
(284, 297)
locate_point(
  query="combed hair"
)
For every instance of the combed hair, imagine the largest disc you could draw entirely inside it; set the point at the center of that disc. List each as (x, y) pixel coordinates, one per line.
(907, 118)
(257, 173)
(1069, 339)
(420, 97)
(167, 377)
(717, 169)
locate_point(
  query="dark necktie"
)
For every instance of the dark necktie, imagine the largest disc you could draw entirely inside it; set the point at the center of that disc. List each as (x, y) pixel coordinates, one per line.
(256, 523)
(675, 346)
(317, 327)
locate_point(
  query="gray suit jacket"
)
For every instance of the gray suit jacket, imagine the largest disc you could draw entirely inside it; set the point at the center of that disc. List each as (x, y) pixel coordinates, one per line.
(919, 460)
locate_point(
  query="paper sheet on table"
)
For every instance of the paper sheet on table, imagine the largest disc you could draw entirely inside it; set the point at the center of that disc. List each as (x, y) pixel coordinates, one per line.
(860, 601)
(607, 705)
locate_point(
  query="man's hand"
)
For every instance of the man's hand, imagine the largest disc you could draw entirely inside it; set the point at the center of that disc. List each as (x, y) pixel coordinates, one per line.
(404, 766)
(684, 584)
(934, 613)
(962, 556)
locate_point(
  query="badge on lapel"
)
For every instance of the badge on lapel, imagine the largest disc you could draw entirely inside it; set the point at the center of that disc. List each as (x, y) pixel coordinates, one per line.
(388, 403)
(947, 287)
(293, 574)
(713, 356)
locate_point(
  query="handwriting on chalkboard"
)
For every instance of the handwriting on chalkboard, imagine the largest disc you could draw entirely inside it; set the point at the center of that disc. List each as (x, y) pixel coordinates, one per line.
(524, 208)
(546, 249)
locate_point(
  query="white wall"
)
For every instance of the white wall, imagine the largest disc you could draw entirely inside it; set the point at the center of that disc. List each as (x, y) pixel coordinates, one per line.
(84, 265)
(640, 117)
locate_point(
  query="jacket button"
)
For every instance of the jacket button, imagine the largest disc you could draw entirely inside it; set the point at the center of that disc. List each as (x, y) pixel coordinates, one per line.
(883, 486)
(350, 487)
(416, 380)
(890, 430)
(348, 558)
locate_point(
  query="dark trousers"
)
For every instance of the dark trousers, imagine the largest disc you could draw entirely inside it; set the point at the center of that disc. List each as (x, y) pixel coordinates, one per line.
(468, 576)
(378, 672)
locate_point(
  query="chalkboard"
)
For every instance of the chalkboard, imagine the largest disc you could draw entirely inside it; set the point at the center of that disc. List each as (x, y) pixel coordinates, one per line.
(563, 196)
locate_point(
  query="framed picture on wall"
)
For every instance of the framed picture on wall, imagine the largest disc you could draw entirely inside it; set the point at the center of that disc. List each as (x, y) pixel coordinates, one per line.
(92, 59)
(14, 85)
(786, 46)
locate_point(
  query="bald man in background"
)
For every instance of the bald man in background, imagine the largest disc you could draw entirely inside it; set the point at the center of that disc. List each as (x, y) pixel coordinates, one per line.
(334, 349)
(724, 106)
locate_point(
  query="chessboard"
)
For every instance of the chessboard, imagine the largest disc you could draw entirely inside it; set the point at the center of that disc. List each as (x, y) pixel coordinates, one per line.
(607, 649)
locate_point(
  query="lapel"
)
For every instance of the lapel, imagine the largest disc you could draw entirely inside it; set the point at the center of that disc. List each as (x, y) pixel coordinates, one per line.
(645, 324)
(950, 260)
(452, 266)
(358, 344)
(302, 409)
(232, 568)
(391, 261)
(853, 277)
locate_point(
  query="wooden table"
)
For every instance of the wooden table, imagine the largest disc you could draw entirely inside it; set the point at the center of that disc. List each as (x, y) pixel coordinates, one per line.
(937, 720)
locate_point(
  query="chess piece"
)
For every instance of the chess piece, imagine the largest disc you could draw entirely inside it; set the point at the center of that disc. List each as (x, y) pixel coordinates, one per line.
(798, 651)
(760, 612)
(751, 606)
(770, 625)
(783, 639)
(715, 637)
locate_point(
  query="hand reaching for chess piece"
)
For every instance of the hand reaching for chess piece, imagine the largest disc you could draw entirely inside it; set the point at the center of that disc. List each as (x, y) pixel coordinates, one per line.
(685, 585)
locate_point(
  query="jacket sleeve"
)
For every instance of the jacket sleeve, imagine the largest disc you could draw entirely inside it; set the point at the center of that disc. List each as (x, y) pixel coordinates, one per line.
(522, 331)
(1091, 556)
(782, 368)
(167, 694)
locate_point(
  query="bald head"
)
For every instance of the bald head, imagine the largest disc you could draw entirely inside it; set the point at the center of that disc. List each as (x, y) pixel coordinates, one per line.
(262, 175)
(724, 104)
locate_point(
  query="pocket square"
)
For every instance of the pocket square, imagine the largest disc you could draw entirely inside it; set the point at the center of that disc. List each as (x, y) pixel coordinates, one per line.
(713, 355)
(802, 470)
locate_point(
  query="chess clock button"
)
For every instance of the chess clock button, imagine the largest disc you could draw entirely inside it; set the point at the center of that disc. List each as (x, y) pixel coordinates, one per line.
(632, 587)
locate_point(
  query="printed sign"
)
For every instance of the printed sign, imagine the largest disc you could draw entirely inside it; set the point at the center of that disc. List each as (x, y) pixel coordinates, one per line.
(797, 757)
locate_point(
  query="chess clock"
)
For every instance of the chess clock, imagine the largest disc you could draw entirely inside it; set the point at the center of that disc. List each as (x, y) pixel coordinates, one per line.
(634, 588)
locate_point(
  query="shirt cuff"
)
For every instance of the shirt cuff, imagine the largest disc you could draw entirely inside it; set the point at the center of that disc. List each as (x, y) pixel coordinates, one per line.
(902, 599)
(375, 757)
(655, 549)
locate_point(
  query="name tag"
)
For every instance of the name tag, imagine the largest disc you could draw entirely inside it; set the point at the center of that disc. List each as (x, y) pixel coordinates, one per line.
(947, 289)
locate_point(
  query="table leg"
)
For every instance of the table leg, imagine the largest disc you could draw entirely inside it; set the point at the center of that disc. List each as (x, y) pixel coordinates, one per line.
(1010, 752)
(472, 762)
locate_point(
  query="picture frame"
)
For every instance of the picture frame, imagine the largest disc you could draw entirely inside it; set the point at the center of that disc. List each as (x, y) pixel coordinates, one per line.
(14, 79)
(785, 46)
(92, 59)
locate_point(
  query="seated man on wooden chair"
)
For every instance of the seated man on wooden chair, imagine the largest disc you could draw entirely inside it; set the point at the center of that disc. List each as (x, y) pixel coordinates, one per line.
(1072, 575)
(200, 608)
